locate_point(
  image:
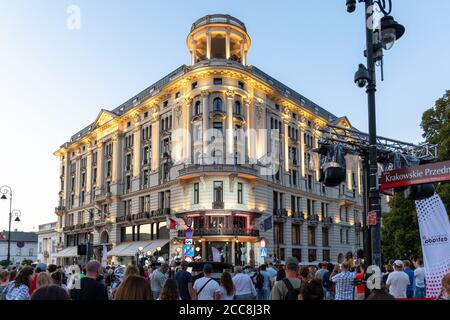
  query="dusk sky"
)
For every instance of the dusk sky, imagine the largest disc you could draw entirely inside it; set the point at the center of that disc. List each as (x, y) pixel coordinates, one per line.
(54, 81)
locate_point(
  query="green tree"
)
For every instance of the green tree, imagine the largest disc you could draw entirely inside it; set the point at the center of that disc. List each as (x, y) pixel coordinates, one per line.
(436, 130)
(27, 262)
(400, 232)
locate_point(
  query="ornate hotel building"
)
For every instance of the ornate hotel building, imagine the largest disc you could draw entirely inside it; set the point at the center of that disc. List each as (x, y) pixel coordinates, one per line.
(130, 169)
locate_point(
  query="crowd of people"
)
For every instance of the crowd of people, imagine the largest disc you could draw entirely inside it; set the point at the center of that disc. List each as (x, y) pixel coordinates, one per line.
(345, 281)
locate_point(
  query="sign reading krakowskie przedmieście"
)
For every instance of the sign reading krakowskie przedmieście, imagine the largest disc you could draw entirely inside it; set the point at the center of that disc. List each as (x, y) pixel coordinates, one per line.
(427, 173)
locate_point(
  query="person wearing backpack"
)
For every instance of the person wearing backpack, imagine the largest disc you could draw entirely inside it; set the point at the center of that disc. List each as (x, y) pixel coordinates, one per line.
(289, 287)
(262, 283)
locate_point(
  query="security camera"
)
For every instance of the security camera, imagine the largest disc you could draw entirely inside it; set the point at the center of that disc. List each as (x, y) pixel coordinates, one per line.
(351, 6)
(362, 76)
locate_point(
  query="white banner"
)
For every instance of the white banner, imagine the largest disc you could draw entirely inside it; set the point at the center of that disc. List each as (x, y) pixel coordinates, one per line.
(435, 235)
(104, 255)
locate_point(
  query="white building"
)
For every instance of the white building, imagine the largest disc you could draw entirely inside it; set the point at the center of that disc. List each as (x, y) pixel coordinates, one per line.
(23, 246)
(47, 243)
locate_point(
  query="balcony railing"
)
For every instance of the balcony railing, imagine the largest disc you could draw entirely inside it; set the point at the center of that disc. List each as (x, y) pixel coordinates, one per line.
(218, 205)
(280, 212)
(298, 215)
(199, 169)
(89, 224)
(358, 225)
(60, 210)
(218, 18)
(328, 220)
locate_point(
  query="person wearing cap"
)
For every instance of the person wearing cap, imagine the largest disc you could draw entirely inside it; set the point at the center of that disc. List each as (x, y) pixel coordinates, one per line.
(243, 284)
(40, 267)
(205, 287)
(184, 281)
(280, 289)
(398, 281)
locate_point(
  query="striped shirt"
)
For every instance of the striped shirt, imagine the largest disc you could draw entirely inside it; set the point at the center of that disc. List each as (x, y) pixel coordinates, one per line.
(344, 285)
(17, 293)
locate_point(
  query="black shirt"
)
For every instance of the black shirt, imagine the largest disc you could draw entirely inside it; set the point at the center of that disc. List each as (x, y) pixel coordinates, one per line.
(90, 290)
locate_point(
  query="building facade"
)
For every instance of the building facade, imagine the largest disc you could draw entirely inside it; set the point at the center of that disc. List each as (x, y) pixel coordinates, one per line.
(23, 246)
(219, 145)
(48, 238)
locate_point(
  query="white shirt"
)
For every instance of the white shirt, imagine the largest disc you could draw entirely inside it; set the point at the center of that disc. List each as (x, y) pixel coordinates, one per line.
(208, 291)
(419, 277)
(243, 284)
(398, 281)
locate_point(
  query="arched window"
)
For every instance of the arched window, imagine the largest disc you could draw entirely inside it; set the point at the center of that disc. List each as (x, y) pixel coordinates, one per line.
(217, 104)
(197, 108)
(237, 108)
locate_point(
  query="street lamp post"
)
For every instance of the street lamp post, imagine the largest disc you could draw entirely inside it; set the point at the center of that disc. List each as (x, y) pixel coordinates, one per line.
(4, 190)
(389, 31)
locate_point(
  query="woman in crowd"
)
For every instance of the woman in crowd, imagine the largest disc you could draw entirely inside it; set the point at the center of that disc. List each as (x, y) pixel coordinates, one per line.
(170, 290)
(311, 291)
(281, 274)
(133, 287)
(226, 290)
(304, 274)
(131, 270)
(360, 287)
(4, 281)
(50, 292)
(43, 279)
(18, 289)
(57, 278)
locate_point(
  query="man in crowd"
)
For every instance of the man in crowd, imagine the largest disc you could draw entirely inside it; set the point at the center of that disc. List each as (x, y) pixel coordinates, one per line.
(158, 279)
(323, 269)
(184, 281)
(91, 289)
(419, 279)
(344, 282)
(289, 287)
(398, 281)
(243, 284)
(205, 287)
(263, 283)
(410, 273)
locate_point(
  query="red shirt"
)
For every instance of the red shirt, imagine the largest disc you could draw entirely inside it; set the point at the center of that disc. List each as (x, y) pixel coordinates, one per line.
(361, 287)
(33, 284)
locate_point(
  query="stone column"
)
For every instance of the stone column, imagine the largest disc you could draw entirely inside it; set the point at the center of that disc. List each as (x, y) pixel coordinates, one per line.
(155, 142)
(205, 119)
(286, 145)
(116, 158)
(228, 45)
(230, 129)
(187, 107)
(66, 177)
(302, 126)
(194, 52)
(316, 145)
(242, 43)
(88, 170)
(136, 155)
(249, 134)
(208, 45)
(99, 165)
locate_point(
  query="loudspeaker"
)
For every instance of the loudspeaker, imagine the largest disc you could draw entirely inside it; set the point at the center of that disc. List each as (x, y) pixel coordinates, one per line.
(81, 250)
(419, 192)
(334, 176)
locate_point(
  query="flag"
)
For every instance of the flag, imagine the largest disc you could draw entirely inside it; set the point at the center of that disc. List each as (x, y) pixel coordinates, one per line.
(434, 229)
(2, 237)
(172, 223)
(267, 224)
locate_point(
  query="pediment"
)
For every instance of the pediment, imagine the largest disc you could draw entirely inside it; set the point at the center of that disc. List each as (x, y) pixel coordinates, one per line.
(103, 117)
(343, 122)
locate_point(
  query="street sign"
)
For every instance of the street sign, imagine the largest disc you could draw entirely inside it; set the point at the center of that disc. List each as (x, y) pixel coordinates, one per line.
(188, 259)
(189, 222)
(188, 233)
(263, 252)
(188, 250)
(188, 241)
(427, 173)
(20, 244)
(372, 218)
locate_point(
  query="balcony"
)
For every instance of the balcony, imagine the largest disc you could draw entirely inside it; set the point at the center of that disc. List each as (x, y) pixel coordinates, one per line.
(160, 212)
(328, 221)
(191, 171)
(141, 215)
(313, 219)
(280, 214)
(46, 254)
(68, 228)
(298, 215)
(102, 196)
(225, 232)
(218, 18)
(218, 205)
(60, 210)
(89, 224)
(358, 226)
(121, 219)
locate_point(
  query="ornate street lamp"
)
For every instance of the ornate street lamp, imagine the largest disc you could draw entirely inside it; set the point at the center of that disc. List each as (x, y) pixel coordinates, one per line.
(389, 32)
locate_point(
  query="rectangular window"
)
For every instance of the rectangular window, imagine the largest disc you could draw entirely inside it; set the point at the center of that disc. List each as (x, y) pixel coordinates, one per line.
(325, 237)
(128, 183)
(293, 208)
(297, 253)
(218, 191)
(240, 193)
(275, 200)
(241, 85)
(217, 81)
(326, 255)
(311, 236)
(341, 235)
(218, 128)
(196, 193)
(296, 234)
(279, 232)
(312, 255)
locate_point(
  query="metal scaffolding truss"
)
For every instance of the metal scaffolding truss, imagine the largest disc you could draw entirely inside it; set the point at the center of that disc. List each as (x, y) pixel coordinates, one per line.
(359, 142)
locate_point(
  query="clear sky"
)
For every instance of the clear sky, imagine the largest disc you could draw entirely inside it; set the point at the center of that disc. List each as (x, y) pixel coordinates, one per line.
(54, 81)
